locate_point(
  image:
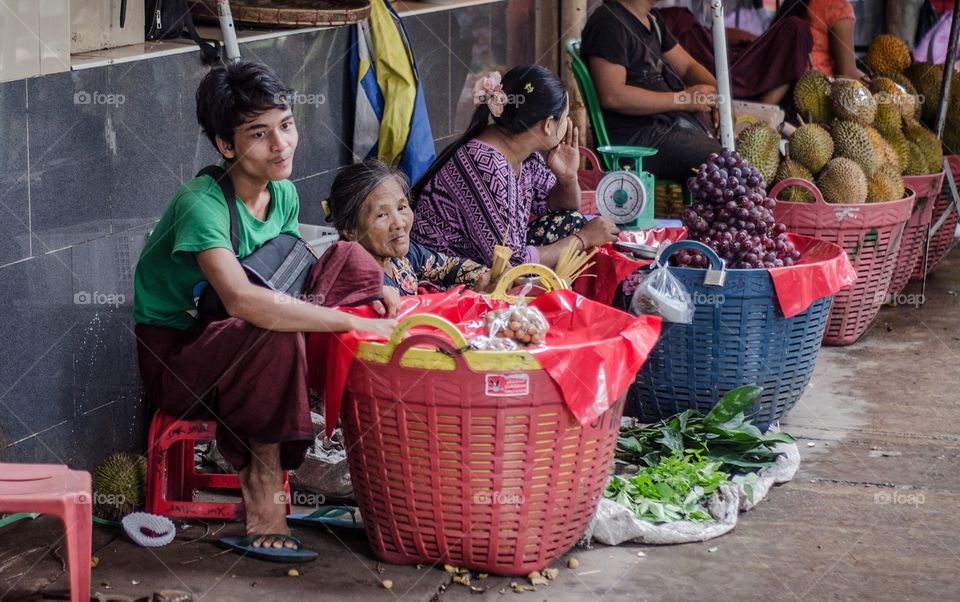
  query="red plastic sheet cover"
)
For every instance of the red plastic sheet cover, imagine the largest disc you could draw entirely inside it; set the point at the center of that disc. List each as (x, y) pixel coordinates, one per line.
(592, 351)
(329, 355)
(823, 270)
(654, 237)
(611, 266)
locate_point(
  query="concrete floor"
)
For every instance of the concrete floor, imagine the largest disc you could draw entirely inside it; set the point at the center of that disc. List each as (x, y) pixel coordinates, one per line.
(871, 514)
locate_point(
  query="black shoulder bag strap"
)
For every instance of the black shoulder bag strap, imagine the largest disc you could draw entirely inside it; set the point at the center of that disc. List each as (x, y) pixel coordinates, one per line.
(221, 177)
(282, 263)
(209, 48)
(209, 304)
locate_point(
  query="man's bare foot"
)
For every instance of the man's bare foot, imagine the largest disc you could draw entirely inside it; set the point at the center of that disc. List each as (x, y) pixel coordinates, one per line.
(261, 485)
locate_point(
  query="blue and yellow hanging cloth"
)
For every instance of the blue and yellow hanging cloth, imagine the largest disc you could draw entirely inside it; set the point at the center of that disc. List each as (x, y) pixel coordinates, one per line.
(391, 115)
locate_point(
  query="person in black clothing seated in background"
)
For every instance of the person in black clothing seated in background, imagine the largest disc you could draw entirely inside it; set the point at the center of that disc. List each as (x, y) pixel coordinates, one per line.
(652, 92)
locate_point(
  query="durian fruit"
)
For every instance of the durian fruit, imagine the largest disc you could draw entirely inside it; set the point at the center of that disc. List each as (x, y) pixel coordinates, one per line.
(842, 181)
(812, 96)
(794, 169)
(851, 140)
(812, 146)
(901, 80)
(927, 79)
(928, 144)
(899, 143)
(759, 144)
(888, 53)
(896, 88)
(951, 130)
(850, 100)
(888, 115)
(916, 162)
(886, 184)
(119, 485)
(883, 149)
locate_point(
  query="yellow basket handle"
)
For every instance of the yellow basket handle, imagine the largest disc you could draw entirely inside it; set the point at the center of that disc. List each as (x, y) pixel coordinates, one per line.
(548, 278)
(442, 324)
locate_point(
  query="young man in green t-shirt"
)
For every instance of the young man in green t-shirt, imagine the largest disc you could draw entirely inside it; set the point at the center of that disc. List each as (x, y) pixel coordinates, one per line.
(248, 370)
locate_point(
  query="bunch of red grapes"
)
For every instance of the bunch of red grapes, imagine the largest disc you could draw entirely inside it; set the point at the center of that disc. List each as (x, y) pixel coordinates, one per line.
(732, 215)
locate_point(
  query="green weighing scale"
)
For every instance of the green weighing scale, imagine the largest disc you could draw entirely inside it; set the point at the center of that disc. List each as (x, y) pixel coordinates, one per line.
(625, 196)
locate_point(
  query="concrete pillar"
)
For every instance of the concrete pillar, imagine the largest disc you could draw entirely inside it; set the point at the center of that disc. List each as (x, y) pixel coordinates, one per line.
(902, 18)
(573, 17)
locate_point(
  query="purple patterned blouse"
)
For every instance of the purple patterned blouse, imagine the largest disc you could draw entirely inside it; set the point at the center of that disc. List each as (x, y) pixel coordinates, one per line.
(474, 202)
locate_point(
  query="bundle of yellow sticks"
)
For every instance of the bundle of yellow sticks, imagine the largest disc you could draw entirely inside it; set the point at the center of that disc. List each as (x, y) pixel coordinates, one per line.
(573, 263)
(501, 261)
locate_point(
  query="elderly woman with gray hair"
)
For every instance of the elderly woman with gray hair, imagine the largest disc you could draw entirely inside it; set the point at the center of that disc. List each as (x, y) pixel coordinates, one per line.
(369, 203)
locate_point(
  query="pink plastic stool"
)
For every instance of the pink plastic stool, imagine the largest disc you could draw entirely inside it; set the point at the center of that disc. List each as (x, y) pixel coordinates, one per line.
(172, 477)
(55, 489)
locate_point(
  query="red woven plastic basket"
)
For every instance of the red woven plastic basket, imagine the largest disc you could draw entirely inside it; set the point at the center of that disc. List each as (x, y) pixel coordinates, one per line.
(926, 188)
(445, 469)
(944, 238)
(869, 233)
(588, 179)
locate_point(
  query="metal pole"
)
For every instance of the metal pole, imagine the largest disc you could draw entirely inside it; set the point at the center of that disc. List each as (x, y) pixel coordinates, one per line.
(230, 45)
(724, 96)
(948, 70)
(948, 63)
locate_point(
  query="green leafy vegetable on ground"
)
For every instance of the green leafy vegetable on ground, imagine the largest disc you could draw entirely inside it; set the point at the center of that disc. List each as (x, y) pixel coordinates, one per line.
(723, 436)
(671, 490)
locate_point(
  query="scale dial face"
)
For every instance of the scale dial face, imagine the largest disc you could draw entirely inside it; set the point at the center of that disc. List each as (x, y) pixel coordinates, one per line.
(621, 196)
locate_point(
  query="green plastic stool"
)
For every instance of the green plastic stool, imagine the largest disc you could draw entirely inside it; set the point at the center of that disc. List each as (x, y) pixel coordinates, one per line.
(592, 101)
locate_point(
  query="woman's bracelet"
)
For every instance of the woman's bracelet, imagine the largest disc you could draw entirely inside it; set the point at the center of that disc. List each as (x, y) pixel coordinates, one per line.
(583, 245)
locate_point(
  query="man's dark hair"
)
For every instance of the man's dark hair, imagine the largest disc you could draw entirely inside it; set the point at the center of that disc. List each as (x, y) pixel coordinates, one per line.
(231, 95)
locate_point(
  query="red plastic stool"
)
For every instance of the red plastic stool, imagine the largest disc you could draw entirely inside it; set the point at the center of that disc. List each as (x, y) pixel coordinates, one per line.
(55, 489)
(172, 475)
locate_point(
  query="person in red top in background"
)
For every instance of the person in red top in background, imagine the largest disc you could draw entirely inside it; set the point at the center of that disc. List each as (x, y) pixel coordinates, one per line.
(832, 25)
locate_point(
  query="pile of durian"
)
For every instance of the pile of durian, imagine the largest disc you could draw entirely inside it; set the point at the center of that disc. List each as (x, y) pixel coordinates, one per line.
(856, 141)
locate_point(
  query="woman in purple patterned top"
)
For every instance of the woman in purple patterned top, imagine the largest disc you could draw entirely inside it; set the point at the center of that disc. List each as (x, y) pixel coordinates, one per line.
(482, 190)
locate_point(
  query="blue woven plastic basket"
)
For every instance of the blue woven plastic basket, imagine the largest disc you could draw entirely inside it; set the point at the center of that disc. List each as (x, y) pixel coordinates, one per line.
(738, 337)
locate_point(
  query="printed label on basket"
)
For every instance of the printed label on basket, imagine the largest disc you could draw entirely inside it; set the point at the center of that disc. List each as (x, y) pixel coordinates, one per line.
(508, 385)
(846, 212)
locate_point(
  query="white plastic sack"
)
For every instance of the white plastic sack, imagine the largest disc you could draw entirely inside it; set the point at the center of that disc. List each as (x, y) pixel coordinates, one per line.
(614, 524)
(325, 470)
(752, 492)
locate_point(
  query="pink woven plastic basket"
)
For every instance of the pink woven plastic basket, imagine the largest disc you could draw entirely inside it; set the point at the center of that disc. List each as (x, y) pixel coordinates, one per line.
(869, 233)
(944, 238)
(926, 188)
(446, 472)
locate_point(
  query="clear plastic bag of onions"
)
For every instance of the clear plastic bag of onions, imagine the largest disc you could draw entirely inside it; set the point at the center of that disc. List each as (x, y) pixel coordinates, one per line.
(509, 327)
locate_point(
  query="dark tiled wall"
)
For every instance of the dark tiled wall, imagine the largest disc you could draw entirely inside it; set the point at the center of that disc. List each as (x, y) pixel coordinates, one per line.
(81, 184)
